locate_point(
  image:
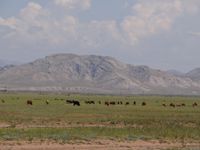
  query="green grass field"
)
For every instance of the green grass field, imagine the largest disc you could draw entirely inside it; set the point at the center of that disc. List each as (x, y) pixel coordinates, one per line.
(61, 121)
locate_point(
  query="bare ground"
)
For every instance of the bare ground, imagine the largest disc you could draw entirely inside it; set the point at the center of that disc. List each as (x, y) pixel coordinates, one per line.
(97, 145)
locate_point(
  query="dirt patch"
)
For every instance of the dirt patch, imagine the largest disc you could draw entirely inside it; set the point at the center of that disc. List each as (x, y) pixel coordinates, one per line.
(75, 125)
(4, 125)
(97, 144)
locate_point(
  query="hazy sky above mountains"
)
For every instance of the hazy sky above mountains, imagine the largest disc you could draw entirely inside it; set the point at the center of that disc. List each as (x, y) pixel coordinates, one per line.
(162, 34)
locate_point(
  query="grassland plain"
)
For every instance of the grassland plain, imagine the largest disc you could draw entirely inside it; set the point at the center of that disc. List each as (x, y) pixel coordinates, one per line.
(63, 122)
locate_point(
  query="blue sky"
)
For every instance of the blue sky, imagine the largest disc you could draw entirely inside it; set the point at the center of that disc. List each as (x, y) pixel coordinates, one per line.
(162, 34)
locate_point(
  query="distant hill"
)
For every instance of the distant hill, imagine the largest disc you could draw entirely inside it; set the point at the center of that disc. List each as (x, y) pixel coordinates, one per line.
(194, 74)
(94, 74)
(7, 63)
(176, 73)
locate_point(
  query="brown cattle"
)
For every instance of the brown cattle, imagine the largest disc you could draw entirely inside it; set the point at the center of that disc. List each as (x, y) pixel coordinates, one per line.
(194, 104)
(29, 102)
(47, 102)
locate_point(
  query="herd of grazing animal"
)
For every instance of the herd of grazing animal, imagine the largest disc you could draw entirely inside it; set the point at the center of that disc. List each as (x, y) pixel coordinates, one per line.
(179, 105)
(109, 103)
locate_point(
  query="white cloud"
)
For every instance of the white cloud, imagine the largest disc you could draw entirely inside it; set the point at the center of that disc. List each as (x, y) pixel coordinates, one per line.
(197, 34)
(74, 4)
(152, 17)
(35, 24)
(10, 22)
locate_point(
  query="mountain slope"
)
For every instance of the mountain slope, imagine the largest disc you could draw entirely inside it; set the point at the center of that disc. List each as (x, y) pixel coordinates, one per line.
(93, 74)
(194, 74)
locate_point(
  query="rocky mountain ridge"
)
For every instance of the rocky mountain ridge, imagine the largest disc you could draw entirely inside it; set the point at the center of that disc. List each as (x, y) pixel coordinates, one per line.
(95, 74)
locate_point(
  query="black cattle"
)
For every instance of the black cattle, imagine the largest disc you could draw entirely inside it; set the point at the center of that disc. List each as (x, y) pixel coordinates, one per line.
(107, 103)
(74, 102)
(172, 104)
(183, 105)
(112, 103)
(69, 101)
(29, 102)
(134, 103)
(144, 104)
(89, 102)
(127, 103)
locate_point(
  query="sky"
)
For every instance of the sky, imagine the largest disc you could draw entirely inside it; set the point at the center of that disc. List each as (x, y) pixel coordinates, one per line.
(163, 34)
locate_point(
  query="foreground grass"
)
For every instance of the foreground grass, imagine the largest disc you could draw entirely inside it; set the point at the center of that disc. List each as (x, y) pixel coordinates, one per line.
(59, 120)
(90, 133)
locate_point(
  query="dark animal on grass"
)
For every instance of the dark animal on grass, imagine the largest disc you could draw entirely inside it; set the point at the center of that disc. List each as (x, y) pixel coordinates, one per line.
(172, 105)
(29, 102)
(69, 101)
(194, 104)
(144, 104)
(3, 101)
(107, 103)
(183, 105)
(112, 103)
(89, 102)
(47, 102)
(134, 103)
(76, 103)
(127, 103)
(164, 105)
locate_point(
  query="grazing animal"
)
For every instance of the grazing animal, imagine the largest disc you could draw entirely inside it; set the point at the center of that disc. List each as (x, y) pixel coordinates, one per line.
(69, 101)
(47, 102)
(183, 105)
(29, 102)
(144, 104)
(107, 103)
(127, 103)
(164, 105)
(112, 103)
(134, 103)
(194, 104)
(89, 102)
(172, 104)
(74, 102)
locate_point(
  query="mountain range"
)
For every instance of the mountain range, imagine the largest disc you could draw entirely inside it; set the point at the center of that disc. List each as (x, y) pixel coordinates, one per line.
(96, 74)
